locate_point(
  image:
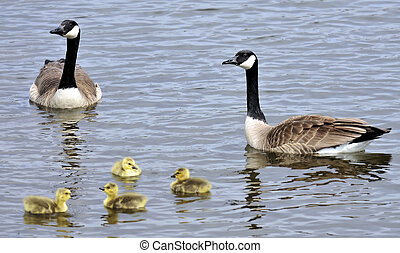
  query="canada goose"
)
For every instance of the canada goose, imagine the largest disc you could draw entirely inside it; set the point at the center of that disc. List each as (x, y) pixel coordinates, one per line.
(63, 83)
(43, 205)
(187, 184)
(129, 200)
(126, 168)
(299, 134)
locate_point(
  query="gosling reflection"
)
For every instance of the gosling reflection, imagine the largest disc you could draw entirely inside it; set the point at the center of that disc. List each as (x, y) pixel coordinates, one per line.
(51, 220)
(129, 182)
(186, 198)
(113, 218)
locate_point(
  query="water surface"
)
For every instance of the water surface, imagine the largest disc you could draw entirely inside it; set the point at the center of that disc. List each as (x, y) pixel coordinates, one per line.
(168, 102)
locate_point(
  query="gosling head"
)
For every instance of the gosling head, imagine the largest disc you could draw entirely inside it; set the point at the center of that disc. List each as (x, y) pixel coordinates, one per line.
(63, 194)
(181, 174)
(111, 189)
(68, 29)
(129, 164)
(244, 58)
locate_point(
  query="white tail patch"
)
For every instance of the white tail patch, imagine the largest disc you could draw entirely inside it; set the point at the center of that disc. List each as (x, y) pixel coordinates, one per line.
(248, 64)
(73, 33)
(345, 148)
(68, 98)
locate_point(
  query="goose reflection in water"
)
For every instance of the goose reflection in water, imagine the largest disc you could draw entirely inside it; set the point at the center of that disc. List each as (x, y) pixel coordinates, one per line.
(326, 169)
(366, 166)
(71, 141)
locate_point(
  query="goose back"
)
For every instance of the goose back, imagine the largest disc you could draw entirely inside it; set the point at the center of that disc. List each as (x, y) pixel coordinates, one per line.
(39, 205)
(191, 185)
(312, 133)
(130, 200)
(46, 84)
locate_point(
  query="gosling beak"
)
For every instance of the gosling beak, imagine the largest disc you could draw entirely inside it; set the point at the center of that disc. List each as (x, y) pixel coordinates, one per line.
(233, 61)
(102, 189)
(135, 168)
(59, 30)
(173, 176)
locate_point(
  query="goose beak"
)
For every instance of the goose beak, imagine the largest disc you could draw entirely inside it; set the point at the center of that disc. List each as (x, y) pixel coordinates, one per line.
(102, 189)
(59, 30)
(233, 61)
(173, 176)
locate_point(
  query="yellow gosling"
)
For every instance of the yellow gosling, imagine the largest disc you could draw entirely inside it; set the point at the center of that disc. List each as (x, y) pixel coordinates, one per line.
(129, 200)
(127, 167)
(187, 184)
(43, 205)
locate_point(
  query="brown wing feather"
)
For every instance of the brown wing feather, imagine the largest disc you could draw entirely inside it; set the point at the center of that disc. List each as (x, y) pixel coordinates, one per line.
(50, 75)
(315, 132)
(84, 83)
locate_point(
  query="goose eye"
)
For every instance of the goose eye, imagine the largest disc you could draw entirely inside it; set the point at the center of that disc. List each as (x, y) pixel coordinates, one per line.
(108, 187)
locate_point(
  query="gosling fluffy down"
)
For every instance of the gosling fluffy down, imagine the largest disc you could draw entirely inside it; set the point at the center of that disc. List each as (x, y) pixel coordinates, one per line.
(127, 167)
(126, 201)
(187, 184)
(43, 205)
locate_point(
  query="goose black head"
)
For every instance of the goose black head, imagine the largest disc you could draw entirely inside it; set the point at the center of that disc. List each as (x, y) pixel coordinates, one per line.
(243, 58)
(68, 29)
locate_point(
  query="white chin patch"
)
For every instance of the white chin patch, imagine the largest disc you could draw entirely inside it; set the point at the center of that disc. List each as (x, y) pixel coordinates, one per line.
(248, 63)
(73, 33)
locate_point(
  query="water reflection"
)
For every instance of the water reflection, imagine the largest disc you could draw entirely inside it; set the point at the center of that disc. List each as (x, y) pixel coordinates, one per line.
(365, 166)
(361, 166)
(129, 182)
(186, 198)
(64, 125)
(51, 220)
(112, 217)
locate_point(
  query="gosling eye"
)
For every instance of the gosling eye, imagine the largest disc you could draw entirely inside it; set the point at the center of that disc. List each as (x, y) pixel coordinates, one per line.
(108, 187)
(66, 193)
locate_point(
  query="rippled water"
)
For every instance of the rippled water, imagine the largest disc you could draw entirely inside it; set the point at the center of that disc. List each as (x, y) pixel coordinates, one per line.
(169, 102)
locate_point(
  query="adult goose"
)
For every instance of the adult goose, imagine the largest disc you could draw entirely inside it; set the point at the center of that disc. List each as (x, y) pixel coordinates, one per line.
(299, 134)
(63, 83)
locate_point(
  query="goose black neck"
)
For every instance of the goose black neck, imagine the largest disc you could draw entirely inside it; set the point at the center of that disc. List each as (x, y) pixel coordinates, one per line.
(253, 103)
(68, 75)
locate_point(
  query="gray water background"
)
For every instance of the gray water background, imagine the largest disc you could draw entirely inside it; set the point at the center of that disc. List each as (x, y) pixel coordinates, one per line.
(168, 102)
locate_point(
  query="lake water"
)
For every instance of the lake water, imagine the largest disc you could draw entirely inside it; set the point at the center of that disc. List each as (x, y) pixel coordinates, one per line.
(168, 102)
